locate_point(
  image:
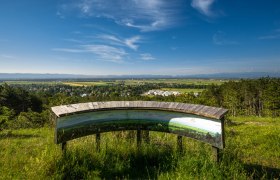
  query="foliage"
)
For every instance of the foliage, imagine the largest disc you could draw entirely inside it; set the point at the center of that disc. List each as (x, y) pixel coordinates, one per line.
(19, 99)
(257, 97)
(6, 114)
(30, 119)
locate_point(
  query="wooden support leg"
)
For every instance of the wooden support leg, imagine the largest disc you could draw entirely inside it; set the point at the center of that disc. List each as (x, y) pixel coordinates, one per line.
(180, 143)
(139, 138)
(97, 140)
(63, 146)
(216, 154)
(146, 135)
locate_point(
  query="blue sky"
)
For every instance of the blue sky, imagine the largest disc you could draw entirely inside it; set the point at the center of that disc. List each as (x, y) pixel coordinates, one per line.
(127, 37)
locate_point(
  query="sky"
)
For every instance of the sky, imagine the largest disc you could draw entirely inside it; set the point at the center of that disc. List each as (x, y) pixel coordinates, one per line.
(136, 37)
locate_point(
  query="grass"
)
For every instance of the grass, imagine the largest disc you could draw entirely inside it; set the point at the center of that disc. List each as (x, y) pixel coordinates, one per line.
(258, 141)
(252, 152)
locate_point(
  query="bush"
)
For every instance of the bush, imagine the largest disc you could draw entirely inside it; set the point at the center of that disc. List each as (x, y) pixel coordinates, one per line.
(30, 119)
(6, 115)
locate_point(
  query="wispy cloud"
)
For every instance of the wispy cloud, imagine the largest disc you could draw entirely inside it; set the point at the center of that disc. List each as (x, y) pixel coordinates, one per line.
(128, 42)
(274, 35)
(106, 47)
(203, 6)
(103, 52)
(74, 41)
(220, 38)
(6, 56)
(146, 15)
(147, 57)
(107, 53)
(69, 50)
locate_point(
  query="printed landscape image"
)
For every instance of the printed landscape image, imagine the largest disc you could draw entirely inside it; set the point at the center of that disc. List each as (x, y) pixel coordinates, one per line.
(214, 53)
(78, 125)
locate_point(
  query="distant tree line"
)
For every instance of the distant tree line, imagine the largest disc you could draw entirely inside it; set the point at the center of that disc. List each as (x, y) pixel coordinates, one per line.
(257, 97)
(29, 105)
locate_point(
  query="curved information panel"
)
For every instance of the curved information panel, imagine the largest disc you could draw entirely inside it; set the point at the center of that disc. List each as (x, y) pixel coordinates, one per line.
(198, 127)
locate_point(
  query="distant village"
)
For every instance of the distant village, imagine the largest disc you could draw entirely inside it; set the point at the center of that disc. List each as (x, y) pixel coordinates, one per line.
(162, 93)
(165, 93)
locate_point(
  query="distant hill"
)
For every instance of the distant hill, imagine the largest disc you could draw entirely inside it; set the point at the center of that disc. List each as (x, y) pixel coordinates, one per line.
(244, 75)
(30, 76)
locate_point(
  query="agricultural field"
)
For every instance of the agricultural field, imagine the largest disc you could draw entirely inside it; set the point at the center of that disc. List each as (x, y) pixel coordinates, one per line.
(252, 152)
(144, 81)
(50, 83)
(107, 82)
(93, 83)
(178, 81)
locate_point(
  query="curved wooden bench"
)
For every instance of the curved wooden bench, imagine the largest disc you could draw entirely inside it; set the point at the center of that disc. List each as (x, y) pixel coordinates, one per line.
(203, 123)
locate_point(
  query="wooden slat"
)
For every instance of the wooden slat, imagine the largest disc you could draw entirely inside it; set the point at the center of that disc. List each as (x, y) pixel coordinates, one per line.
(207, 111)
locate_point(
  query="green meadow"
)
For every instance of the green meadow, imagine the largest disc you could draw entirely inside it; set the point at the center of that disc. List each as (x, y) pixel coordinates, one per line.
(252, 152)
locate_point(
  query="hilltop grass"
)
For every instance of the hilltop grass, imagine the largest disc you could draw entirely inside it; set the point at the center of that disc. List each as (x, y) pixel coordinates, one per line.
(252, 151)
(258, 143)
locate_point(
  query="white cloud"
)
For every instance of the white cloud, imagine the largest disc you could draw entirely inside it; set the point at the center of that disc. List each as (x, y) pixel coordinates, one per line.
(203, 6)
(107, 53)
(69, 50)
(106, 47)
(103, 52)
(147, 57)
(146, 15)
(128, 42)
(220, 38)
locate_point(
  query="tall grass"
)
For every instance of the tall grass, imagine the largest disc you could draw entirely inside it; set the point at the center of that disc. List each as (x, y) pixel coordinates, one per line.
(252, 151)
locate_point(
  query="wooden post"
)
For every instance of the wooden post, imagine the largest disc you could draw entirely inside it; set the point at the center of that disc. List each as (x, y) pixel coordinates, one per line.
(63, 146)
(215, 154)
(146, 135)
(139, 138)
(97, 140)
(180, 143)
(223, 131)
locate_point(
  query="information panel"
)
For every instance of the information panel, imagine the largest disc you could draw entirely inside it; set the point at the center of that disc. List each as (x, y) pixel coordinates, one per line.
(197, 127)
